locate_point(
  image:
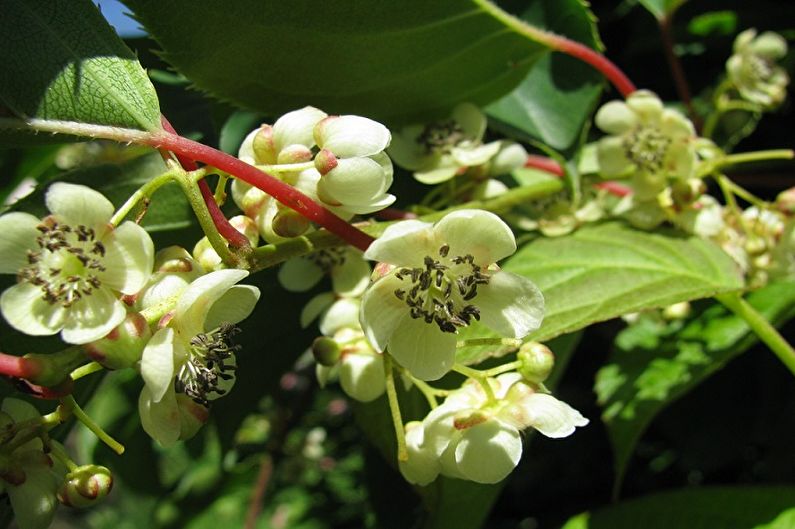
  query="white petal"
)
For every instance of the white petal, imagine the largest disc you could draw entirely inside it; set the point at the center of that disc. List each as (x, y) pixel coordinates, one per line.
(422, 466)
(615, 117)
(246, 154)
(406, 151)
(475, 155)
(510, 304)
(314, 307)
(475, 232)
(362, 376)
(405, 243)
(25, 310)
(129, 257)
(296, 127)
(512, 156)
(17, 235)
(78, 204)
(436, 175)
(613, 161)
(161, 420)
(235, 305)
(646, 105)
(342, 313)
(471, 119)
(422, 348)
(157, 363)
(552, 417)
(195, 302)
(376, 204)
(34, 502)
(353, 181)
(92, 317)
(351, 136)
(382, 311)
(488, 452)
(352, 276)
(299, 274)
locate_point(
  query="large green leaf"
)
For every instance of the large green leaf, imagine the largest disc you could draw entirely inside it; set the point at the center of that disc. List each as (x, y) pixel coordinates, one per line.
(61, 61)
(392, 61)
(553, 102)
(606, 270)
(749, 507)
(655, 363)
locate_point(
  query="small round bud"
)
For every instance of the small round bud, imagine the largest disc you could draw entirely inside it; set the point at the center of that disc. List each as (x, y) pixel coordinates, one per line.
(677, 311)
(295, 153)
(326, 351)
(206, 256)
(785, 201)
(684, 192)
(325, 161)
(173, 259)
(536, 361)
(264, 148)
(755, 245)
(288, 223)
(85, 486)
(123, 346)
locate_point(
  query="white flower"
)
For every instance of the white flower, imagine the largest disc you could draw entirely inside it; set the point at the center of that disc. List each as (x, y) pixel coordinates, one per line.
(71, 266)
(356, 173)
(441, 150)
(193, 354)
(443, 278)
(753, 69)
(469, 437)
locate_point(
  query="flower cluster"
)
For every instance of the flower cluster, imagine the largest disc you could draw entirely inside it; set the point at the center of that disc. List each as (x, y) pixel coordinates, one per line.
(438, 151)
(338, 160)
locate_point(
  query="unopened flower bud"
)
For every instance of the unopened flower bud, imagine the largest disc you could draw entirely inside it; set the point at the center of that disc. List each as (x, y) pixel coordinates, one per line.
(755, 245)
(295, 153)
(362, 376)
(85, 486)
(289, 223)
(122, 347)
(785, 201)
(264, 148)
(325, 161)
(684, 192)
(326, 351)
(677, 311)
(173, 259)
(536, 361)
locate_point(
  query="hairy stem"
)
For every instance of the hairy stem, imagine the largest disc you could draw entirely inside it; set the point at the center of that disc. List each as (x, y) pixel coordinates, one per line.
(70, 404)
(394, 408)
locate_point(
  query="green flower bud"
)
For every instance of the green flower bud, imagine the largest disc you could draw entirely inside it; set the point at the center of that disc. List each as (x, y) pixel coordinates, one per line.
(295, 153)
(123, 346)
(325, 161)
(536, 361)
(85, 486)
(265, 151)
(677, 311)
(785, 201)
(173, 259)
(326, 351)
(289, 223)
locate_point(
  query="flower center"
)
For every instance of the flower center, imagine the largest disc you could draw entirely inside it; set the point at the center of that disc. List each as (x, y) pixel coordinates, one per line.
(646, 147)
(328, 258)
(758, 68)
(441, 137)
(208, 364)
(439, 291)
(66, 264)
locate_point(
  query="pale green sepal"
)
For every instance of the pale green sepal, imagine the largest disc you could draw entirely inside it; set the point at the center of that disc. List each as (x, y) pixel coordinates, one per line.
(157, 363)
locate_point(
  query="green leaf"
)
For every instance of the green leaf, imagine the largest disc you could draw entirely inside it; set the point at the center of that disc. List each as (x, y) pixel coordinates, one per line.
(656, 363)
(661, 8)
(757, 507)
(603, 271)
(61, 61)
(556, 98)
(393, 61)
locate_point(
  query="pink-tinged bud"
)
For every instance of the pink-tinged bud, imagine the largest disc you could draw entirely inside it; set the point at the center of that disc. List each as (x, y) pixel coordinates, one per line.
(536, 361)
(192, 416)
(326, 351)
(123, 346)
(264, 148)
(85, 486)
(325, 161)
(785, 201)
(288, 223)
(469, 418)
(295, 153)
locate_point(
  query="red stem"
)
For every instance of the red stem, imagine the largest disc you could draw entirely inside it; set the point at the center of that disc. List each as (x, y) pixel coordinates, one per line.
(678, 73)
(19, 367)
(543, 163)
(594, 58)
(227, 231)
(614, 188)
(284, 193)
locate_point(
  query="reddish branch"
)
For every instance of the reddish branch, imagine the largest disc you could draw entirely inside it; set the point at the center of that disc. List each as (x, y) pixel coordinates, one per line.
(543, 163)
(227, 231)
(284, 193)
(19, 367)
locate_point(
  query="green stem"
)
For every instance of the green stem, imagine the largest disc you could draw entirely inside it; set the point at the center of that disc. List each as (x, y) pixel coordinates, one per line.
(504, 368)
(761, 327)
(70, 403)
(472, 342)
(62, 456)
(394, 408)
(481, 378)
(428, 391)
(86, 370)
(755, 156)
(728, 194)
(143, 192)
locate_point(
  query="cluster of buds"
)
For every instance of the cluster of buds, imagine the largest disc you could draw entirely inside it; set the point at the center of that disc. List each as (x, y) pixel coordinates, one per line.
(753, 71)
(475, 434)
(439, 151)
(337, 160)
